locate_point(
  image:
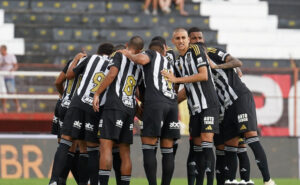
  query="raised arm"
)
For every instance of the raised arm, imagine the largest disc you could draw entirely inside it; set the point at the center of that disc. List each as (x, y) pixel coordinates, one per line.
(70, 73)
(140, 58)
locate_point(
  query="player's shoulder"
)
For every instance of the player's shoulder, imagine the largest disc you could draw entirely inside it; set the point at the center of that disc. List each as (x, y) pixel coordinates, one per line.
(212, 50)
(195, 49)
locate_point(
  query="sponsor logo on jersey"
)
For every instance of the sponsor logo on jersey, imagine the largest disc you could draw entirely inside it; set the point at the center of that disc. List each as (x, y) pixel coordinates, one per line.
(119, 123)
(174, 125)
(87, 99)
(200, 61)
(127, 102)
(89, 127)
(60, 123)
(208, 127)
(55, 119)
(221, 54)
(77, 124)
(208, 120)
(131, 126)
(142, 125)
(243, 170)
(100, 123)
(242, 118)
(243, 127)
(66, 103)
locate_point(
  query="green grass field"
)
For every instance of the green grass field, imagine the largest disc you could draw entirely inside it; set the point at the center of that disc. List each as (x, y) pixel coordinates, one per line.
(134, 181)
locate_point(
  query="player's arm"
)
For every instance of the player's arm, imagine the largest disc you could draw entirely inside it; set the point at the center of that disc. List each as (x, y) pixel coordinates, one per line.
(70, 73)
(59, 83)
(140, 58)
(109, 78)
(230, 62)
(239, 72)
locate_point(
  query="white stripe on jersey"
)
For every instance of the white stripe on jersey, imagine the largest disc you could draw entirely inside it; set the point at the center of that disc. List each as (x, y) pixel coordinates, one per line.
(164, 81)
(156, 70)
(226, 96)
(120, 74)
(89, 65)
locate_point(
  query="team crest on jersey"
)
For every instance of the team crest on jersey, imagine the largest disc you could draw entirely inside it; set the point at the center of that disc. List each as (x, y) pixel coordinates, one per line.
(119, 123)
(77, 124)
(242, 118)
(208, 120)
(174, 125)
(89, 127)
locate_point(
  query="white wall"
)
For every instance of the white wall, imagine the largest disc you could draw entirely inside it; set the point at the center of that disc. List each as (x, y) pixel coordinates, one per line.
(7, 31)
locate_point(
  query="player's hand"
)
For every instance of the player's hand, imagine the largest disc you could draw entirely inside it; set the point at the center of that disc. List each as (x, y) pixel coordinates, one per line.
(124, 52)
(169, 76)
(239, 72)
(79, 56)
(96, 103)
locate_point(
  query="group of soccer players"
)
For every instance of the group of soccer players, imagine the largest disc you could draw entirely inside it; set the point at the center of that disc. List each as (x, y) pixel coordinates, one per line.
(98, 102)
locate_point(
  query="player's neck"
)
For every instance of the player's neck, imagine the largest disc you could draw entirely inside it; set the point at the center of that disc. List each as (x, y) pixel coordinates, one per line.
(183, 52)
(132, 51)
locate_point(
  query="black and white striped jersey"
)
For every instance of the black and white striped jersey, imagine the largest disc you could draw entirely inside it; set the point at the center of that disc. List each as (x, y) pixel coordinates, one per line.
(200, 95)
(70, 87)
(235, 86)
(93, 69)
(157, 88)
(121, 92)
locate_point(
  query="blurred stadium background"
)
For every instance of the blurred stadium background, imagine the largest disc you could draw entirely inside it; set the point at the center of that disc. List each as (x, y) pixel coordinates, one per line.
(44, 34)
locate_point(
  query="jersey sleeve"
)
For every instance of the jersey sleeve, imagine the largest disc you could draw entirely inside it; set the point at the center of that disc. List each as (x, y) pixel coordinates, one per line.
(81, 65)
(199, 55)
(116, 60)
(218, 55)
(151, 54)
(65, 69)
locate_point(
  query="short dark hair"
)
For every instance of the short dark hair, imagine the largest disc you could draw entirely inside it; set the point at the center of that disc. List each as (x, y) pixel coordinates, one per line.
(119, 46)
(156, 45)
(3, 46)
(159, 38)
(193, 29)
(136, 42)
(105, 49)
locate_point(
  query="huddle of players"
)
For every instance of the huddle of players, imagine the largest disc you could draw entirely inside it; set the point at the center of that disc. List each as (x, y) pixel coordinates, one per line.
(102, 88)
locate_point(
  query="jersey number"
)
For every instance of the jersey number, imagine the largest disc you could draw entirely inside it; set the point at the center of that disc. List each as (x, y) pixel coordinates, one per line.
(97, 80)
(129, 86)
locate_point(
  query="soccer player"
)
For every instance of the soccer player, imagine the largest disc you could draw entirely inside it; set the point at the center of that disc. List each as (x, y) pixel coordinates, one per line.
(65, 89)
(116, 124)
(193, 70)
(242, 111)
(170, 53)
(160, 99)
(81, 122)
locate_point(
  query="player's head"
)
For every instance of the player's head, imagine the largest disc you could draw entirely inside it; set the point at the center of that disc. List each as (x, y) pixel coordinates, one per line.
(156, 45)
(136, 43)
(3, 49)
(119, 47)
(196, 35)
(105, 49)
(162, 40)
(180, 39)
